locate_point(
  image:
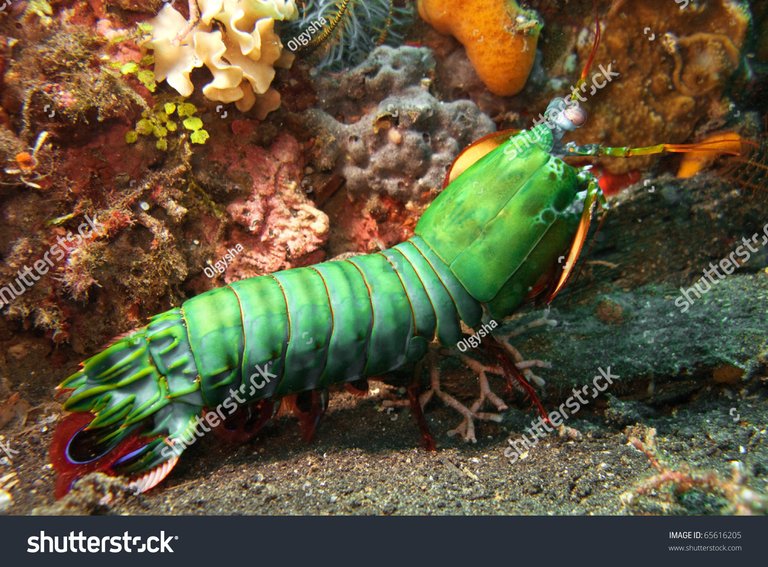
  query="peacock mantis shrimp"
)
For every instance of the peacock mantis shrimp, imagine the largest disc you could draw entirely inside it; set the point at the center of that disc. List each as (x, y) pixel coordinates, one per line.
(494, 238)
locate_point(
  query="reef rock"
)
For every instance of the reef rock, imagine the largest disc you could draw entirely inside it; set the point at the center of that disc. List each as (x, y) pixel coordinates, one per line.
(274, 222)
(672, 76)
(394, 136)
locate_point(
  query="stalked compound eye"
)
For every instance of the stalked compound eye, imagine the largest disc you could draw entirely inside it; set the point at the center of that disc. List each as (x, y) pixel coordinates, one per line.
(565, 115)
(575, 115)
(570, 118)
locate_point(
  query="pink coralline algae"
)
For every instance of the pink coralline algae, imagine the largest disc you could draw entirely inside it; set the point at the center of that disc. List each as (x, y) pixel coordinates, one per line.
(276, 223)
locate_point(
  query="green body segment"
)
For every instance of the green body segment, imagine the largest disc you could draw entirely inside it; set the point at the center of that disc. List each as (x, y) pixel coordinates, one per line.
(264, 327)
(330, 323)
(478, 250)
(214, 328)
(310, 327)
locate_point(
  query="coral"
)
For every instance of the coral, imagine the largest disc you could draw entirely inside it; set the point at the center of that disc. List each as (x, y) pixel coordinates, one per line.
(500, 38)
(128, 5)
(61, 84)
(145, 76)
(342, 34)
(159, 223)
(130, 261)
(273, 220)
(40, 8)
(235, 41)
(390, 138)
(670, 88)
(733, 495)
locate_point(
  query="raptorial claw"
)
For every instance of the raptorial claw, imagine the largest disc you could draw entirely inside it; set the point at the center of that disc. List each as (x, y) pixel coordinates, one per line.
(77, 451)
(154, 477)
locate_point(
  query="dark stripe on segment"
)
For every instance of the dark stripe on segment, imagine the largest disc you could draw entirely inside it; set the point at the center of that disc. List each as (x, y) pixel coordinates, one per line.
(392, 319)
(310, 316)
(424, 311)
(421, 311)
(266, 329)
(243, 335)
(367, 295)
(469, 309)
(216, 337)
(333, 323)
(198, 380)
(352, 321)
(448, 328)
(405, 290)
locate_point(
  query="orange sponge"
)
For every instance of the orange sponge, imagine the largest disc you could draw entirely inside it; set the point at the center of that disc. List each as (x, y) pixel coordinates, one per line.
(499, 36)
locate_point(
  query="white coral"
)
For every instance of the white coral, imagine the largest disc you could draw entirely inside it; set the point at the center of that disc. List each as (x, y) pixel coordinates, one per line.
(235, 40)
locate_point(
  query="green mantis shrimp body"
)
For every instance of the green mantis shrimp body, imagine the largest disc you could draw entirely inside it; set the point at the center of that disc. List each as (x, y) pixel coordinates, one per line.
(499, 233)
(477, 252)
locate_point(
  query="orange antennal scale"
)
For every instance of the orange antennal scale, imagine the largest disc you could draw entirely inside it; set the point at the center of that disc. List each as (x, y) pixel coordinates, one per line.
(727, 143)
(476, 151)
(708, 150)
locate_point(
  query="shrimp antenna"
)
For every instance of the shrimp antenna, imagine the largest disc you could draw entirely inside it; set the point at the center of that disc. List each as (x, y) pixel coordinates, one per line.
(585, 71)
(731, 146)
